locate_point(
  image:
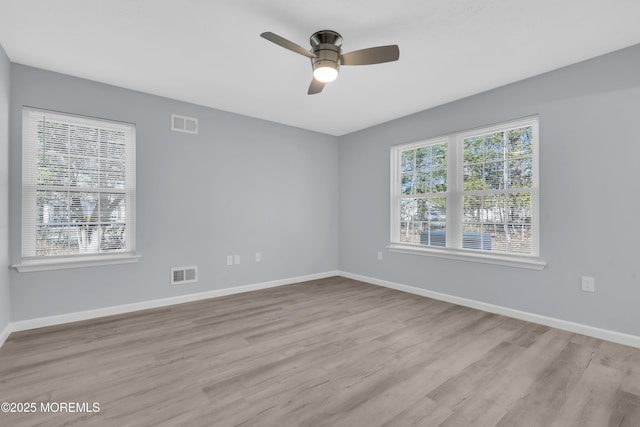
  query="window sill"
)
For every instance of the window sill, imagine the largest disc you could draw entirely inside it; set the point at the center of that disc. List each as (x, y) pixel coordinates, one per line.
(44, 264)
(531, 263)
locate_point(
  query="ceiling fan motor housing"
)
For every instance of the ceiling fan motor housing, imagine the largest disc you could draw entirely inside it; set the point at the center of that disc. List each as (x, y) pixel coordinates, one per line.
(326, 45)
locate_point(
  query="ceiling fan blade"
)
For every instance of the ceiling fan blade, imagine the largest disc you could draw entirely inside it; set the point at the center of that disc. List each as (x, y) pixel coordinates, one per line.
(372, 55)
(315, 87)
(281, 41)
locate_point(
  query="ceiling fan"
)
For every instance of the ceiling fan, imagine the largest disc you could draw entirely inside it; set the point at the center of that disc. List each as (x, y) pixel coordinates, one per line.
(326, 55)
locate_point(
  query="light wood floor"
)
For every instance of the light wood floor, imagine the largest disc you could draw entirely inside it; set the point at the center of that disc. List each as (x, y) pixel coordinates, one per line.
(332, 352)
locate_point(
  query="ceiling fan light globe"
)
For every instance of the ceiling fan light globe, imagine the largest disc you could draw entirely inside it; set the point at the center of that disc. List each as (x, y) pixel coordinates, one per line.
(325, 74)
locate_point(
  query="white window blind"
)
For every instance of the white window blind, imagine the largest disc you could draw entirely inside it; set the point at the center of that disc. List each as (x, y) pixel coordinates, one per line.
(78, 186)
(499, 187)
(423, 193)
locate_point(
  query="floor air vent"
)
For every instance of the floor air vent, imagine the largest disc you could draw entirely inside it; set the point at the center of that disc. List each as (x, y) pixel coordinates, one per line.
(182, 275)
(184, 124)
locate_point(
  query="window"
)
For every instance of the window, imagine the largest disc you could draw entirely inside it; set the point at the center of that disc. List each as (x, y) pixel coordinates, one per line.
(78, 190)
(469, 195)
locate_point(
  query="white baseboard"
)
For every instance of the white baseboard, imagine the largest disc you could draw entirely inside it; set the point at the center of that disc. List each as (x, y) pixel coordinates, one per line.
(613, 336)
(5, 334)
(605, 334)
(41, 322)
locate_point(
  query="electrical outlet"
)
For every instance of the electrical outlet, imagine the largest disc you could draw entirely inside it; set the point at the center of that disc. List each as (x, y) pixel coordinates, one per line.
(236, 259)
(229, 259)
(258, 257)
(379, 255)
(588, 284)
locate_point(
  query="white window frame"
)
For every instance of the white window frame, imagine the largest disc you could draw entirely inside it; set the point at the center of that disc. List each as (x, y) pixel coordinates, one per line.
(29, 260)
(454, 201)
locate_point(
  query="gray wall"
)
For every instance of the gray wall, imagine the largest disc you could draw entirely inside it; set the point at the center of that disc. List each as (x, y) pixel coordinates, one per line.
(241, 186)
(245, 185)
(590, 204)
(5, 72)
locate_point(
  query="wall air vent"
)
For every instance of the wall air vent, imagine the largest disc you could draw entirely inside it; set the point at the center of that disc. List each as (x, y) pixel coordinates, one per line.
(184, 124)
(182, 275)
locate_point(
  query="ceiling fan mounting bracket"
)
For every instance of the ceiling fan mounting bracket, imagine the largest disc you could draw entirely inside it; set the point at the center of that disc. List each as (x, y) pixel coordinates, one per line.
(325, 37)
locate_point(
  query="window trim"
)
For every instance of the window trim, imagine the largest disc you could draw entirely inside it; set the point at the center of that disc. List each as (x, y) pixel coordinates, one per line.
(74, 261)
(31, 262)
(518, 261)
(454, 196)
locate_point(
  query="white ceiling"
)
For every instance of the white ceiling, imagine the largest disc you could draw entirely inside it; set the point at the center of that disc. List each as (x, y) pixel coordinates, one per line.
(209, 52)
